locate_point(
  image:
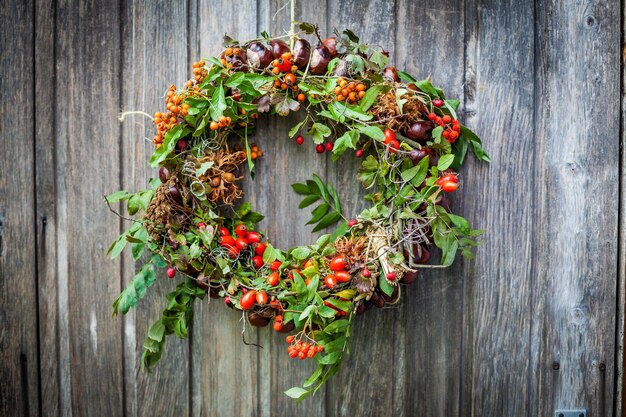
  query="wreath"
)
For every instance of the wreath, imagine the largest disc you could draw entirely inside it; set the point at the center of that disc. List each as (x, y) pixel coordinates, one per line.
(192, 220)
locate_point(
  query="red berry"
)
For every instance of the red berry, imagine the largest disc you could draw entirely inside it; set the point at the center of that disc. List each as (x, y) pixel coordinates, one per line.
(352, 223)
(342, 276)
(449, 186)
(337, 263)
(366, 273)
(201, 225)
(290, 338)
(330, 281)
(300, 140)
(293, 353)
(224, 231)
(275, 265)
(241, 243)
(261, 298)
(394, 145)
(171, 272)
(446, 119)
(311, 353)
(389, 135)
(391, 276)
(260, 248)
(227, 300)
(273, 279)
(227, 241)
(359, 153)
(437, 103)
(446, 178)
(302, 355)
(284, 66)
(248, 300)
(253, 237)
(241, 230)
(320, 148)
(432, 116)
(278, 326)
(257, 262)
(233, 252)
(329, 146)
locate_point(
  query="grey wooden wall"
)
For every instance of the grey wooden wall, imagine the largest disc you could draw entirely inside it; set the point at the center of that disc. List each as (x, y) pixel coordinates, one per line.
(535, 323)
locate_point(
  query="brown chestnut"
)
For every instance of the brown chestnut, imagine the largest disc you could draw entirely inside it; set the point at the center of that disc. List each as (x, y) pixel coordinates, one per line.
(237, 60)
(258, 55)
(164, 174)
(319, 60)
(257, 320)
(377, 300)
(176, 195)
(416, 155)
(419, 131)
(301, 53)
(391, 74)
(409, 277)
(331, 44)
(278, 48)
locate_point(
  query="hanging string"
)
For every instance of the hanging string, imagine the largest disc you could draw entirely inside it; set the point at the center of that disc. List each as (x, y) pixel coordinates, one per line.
(292, 26)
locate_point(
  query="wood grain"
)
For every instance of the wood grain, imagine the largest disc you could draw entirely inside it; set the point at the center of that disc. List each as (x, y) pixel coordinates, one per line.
(498, 290)
(88, 167)
(150, 44)
(434, 304)
(373, 22)
(19, 392)
(225, 374)
(576, 170)
(46, 221)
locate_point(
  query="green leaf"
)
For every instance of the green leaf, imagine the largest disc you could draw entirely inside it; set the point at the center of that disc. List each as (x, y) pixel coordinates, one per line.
(331, 358)
(319, 131)
(385, 286)
(350, 111)
(373, 132)
(460, 222)
(169, 143)
(337, 326)
(301, 188)
(301, 289)
(427, 87)
(345, 141)
(118, 196)
(218, 102)
(307, 201)
(314, 376)
(405, 77)
(270, 254)
(346, 306)
(327, 220)
(294, 130)
(300, 253)
(296, 392)
(476, 144)
(157, 331)
(445, 161)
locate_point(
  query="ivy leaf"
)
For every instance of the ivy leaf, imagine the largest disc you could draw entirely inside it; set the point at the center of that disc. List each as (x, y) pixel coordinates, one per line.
(319, 131)
(379, 59)
(345, 141)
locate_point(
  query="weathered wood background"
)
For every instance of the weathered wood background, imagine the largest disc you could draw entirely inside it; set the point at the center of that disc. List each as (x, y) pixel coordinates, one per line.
(534, 324)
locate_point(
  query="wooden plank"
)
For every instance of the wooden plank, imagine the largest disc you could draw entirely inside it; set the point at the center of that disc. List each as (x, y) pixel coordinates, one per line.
(620, 352)
(285, 163)
(155, 56)
(434, 304)
(87, 158)
(18, 283)
(224, 370)
(375, 356)
(499, 285)
(50, 358)
(576, 184)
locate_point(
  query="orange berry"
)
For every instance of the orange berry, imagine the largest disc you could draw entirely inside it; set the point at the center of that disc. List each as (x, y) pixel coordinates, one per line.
(340, 97)
(214, 126)
(301, 97)
(352, 96)
(337, 90)
(361, 94)
(290, 338)
(228, 51)
(284, 86)
(361, 87)
(302, 355)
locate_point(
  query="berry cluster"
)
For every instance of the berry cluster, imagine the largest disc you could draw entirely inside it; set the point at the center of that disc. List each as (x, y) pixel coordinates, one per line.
(350, 91)
(448, 183)
(339, 274)
(245, 241)
(288, 81)
(451, 127)
(199, 73)
(299, 349)
(390, 140)
(164, 121)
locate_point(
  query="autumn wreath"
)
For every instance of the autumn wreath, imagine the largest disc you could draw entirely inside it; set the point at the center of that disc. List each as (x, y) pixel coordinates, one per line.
(411, 142)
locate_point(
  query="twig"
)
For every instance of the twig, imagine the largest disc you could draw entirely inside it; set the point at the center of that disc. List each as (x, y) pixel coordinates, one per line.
(116, 213)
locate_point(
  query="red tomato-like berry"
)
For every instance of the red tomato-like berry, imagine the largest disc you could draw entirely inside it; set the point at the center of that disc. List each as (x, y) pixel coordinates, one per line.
(300, 140)
(259, 249)
(248, 300)
(227, 241)
(241, 230)
(449, 186)
(224, 231)
(241, 243)
(342, 276)
(257, 262)
(394, 145)
(389, 136)
(337, 263)
(437, 103)
(330, 281)
(446, 178)
(261, 298)
(273, 279)
(275, 265)
(253, 237)
(171, 272)
(366, 273)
